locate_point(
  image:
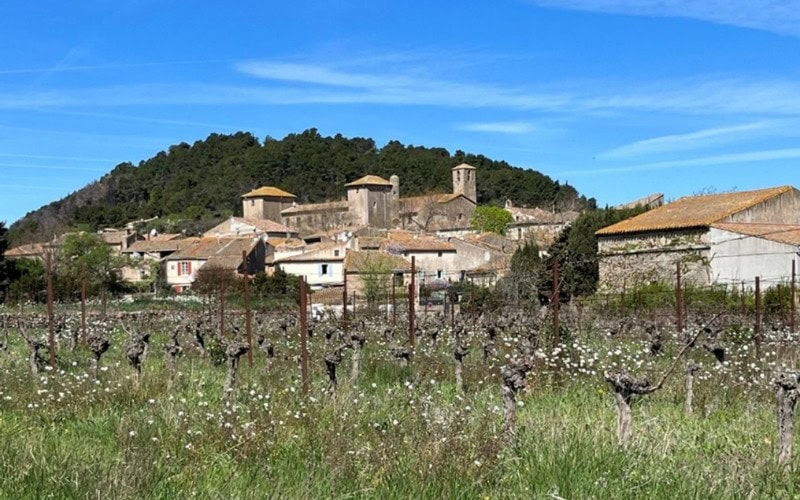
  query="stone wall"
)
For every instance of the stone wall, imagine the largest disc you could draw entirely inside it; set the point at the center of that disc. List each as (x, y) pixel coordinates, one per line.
(634, 260)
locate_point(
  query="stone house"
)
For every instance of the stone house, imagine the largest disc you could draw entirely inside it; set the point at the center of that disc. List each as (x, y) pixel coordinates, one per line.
(648, 247)
(372, 273)
(541, 226)
(143, 254)
(435, 260)
(219, 253)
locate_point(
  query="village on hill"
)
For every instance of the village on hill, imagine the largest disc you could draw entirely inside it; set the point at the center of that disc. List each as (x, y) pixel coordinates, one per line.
(720, 238)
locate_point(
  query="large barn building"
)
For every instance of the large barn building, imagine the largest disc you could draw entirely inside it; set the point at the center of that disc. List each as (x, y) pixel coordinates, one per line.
(722, 238)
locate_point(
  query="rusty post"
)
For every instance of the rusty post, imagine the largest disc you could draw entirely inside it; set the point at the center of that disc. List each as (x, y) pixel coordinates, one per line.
(303, 336)
(344, 300)
(412, 334)
(83, 305)
(757, 327)
(793, 297)
(555, 303)
(51, 331)
(248, 320)
(678, 299)
(221, 306)
(394, 303)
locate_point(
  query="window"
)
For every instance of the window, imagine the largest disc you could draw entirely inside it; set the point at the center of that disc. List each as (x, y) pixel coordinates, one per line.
(439, 274)
(184, 268)
(468, 174)
(323, 269)
(336, 253)
(252, 203)
(440, 254)
(458, 175)
(398, 279)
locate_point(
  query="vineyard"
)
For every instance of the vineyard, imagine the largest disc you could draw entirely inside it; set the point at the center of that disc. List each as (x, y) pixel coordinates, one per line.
(623, 396)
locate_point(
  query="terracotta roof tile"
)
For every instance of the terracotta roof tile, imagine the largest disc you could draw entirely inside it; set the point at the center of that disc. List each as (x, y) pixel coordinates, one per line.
(206, 248)
(423, 244)
(694, 211)
(268, 191)
(369, 180)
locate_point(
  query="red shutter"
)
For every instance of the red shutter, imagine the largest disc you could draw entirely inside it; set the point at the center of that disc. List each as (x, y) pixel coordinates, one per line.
(179, 268)
(189, 267)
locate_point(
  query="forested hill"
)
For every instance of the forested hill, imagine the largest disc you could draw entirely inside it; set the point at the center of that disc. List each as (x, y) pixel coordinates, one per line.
(204, 181)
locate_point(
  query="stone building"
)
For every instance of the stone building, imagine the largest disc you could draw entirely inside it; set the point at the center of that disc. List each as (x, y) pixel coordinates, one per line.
(647, 248)
(266, 203)
(373, 202)
(536, 224)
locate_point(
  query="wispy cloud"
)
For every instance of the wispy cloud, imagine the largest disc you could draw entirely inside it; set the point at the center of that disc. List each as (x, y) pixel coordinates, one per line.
(778, 16)
(683, 142)
(318, 83)
(707, 161)
(498, 127)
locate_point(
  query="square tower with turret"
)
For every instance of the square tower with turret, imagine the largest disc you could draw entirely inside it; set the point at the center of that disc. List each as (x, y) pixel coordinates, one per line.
(464, 181)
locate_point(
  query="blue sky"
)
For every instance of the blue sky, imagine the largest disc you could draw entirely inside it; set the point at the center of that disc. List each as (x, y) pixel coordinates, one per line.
(620, 98)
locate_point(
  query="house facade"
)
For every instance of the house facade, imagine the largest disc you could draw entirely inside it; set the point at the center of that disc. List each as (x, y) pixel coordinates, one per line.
(182, 267)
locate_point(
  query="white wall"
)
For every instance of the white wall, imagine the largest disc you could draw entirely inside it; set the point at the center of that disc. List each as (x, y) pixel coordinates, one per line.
(312, 272)
(736, 258)
(182, 280)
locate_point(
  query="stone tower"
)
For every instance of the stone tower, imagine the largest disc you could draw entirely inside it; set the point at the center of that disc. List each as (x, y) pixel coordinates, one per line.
(464, 181)
(266, 203)
(369, 201)
(395, 206)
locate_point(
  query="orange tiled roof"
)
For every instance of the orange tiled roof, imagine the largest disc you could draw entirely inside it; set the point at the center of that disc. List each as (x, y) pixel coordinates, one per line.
(369, 180)
(268, 191)
(206, 248)
(781, 233)
(423, 244)
(694, 211)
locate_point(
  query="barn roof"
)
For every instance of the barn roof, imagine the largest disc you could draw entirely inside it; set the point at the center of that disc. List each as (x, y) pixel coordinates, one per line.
(694, 211)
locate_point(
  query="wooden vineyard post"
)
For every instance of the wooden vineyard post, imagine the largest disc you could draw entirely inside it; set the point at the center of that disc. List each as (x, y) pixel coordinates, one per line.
(793, 297)
(303, 336)
(555, 303)
(394, 303)
(412, 335)
(51, 331)
(344, 299)
(247, 315)
(757, 326)
(221, 306)
(83, 305)
(678, 299)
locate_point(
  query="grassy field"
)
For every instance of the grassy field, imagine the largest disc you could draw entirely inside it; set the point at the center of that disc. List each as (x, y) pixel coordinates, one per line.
(396, 432)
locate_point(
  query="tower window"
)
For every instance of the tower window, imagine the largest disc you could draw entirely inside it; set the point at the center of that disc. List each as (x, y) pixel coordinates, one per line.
(458, 175)
(252, 203)
(468, 174)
